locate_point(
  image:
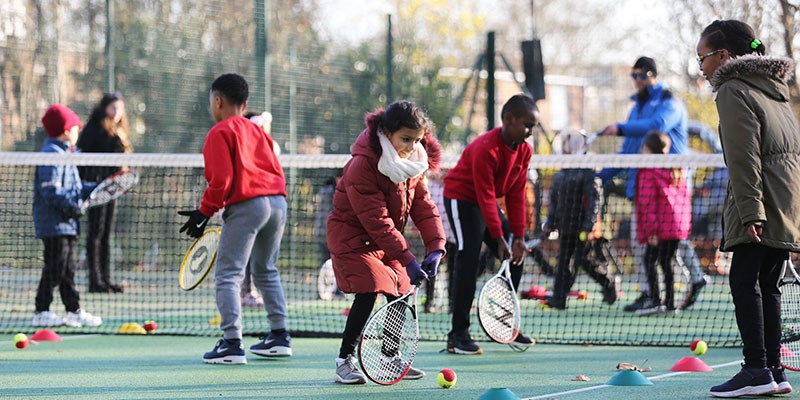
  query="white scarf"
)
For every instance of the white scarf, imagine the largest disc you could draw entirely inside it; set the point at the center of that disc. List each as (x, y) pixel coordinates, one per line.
(399, 169)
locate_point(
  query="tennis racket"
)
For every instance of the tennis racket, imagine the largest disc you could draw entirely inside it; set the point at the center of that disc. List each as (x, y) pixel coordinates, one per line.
(199, 260)
(498, 307)
(389, 340)
(790, 317)
(111, 188)
(591, 138)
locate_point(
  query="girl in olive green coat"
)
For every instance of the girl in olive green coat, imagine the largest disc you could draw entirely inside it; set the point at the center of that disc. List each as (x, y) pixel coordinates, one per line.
(761, 221)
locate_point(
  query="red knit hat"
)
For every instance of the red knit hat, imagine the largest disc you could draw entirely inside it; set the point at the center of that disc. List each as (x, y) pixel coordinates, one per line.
(59, 119)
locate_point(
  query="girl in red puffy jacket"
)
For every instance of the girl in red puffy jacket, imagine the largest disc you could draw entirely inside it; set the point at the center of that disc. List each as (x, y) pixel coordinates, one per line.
(383, 185)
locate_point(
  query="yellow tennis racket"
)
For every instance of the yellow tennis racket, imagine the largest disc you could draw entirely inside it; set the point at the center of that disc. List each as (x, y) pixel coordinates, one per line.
(199, 260)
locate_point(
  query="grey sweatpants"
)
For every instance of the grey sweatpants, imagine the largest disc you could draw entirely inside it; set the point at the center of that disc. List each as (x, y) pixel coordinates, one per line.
(251, 233)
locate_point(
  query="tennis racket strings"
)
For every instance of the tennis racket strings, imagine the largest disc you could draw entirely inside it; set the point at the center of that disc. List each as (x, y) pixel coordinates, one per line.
(389, 343)
(497, 308)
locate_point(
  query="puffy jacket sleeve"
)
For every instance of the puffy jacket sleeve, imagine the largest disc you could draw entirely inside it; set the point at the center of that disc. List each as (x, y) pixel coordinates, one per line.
(665, 115)
(369, 204)
(741, 144)
(426, 218)
(50, 182)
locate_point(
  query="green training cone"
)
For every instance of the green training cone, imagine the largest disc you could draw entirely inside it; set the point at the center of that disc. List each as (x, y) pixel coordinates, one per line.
(498, 394)
(629, 378)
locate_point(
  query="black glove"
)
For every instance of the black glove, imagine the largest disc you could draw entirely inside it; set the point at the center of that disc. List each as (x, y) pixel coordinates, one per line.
(196, 224)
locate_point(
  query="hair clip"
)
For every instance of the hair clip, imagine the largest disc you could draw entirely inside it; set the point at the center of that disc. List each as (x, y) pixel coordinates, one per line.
(755, 43)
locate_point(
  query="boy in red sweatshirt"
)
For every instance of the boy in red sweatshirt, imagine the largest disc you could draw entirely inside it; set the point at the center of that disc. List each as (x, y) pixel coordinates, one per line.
(494, 165)
(245, 178)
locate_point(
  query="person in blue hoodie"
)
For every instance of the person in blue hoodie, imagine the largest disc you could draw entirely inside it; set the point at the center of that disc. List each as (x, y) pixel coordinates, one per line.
(655, 108)
(58, 196)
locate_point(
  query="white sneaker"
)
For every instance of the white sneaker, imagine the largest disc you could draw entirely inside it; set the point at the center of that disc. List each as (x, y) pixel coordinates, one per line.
(82, 318)
(46, 318)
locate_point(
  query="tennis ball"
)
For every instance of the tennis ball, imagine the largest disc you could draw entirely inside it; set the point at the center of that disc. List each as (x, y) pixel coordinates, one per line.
(150, 326)
(699, 347)
(21, 341)
(447, 378)
(20, 337)
(583, 294)
(582, 236)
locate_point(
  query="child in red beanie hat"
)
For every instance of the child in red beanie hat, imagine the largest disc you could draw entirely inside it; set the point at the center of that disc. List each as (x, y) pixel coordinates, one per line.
(57, 197)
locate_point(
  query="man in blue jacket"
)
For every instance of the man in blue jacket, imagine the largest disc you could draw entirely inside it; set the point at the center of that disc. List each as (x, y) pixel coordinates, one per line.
(655, 108)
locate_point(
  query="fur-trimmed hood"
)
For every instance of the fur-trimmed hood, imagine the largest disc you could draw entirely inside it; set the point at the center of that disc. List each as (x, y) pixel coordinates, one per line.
(367, 143)
(767, 73)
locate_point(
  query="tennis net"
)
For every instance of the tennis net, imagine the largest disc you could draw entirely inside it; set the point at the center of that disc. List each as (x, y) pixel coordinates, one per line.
(146, 251)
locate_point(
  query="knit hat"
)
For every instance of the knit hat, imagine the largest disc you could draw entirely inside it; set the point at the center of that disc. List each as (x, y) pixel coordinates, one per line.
(646, 64)
(59, 119)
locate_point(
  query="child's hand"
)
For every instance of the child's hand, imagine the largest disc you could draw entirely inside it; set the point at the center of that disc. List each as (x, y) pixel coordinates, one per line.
(196, 224)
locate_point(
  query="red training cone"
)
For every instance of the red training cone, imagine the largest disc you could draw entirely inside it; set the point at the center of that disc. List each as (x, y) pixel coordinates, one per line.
(691, 364)
(46, 335)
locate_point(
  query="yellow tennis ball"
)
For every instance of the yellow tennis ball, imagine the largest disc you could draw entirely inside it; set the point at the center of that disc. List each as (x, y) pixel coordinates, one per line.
(446, 378)
(20, 337)
(699, 347)
(582, 236)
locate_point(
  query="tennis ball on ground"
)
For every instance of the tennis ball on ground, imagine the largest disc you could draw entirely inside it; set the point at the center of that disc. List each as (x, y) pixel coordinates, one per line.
(582, 236)
(699, 347)
(583, 294)
(21, 341)
(150, 326)
(446, 378)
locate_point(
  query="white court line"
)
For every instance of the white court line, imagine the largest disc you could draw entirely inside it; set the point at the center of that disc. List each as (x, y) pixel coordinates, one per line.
(586, 389)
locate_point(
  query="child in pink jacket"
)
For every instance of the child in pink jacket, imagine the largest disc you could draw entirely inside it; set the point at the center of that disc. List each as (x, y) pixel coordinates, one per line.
(663, 212)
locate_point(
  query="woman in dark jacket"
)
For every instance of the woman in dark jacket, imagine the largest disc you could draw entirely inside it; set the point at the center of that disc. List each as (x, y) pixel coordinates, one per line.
(761, 219)
(105, 132)
(382, 185)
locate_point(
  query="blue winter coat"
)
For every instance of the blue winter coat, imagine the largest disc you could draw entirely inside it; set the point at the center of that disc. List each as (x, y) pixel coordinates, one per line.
(57, 193)
(663, 112)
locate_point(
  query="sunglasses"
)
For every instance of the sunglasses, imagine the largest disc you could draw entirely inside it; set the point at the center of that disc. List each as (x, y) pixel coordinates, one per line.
(702, 58)
(640, 75)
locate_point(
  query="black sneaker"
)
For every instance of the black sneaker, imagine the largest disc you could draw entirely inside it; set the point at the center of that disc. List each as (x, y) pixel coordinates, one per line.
(779, 376)
(748, 382)
(226, 352)
(694, 293)
(638, 303)
(273, 345)
(553, 303)
(462, 344)
(610, 292)
(522, 342)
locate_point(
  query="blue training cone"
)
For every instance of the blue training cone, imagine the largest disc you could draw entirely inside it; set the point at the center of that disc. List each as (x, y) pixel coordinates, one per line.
(629, 378)
(498, 394)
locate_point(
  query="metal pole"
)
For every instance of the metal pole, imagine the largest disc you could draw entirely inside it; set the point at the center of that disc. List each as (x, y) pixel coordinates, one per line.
(261, 16)
(490, 88)
(389, 57)
(109, 50)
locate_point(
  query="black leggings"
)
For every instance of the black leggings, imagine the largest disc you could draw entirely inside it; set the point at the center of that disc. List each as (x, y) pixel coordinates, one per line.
(470, 230)
(661, 254)
(356, 319)
(571, 247)
(98, 244)
(754, 276)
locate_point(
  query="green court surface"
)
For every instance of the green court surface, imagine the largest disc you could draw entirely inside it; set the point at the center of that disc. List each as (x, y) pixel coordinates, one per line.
(162, 366)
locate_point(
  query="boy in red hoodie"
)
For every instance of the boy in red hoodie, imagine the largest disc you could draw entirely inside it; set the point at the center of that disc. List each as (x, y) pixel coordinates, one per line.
(494, 165)
(245, 178)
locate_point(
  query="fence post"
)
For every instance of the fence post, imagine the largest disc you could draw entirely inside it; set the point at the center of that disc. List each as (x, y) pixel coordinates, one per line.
(109, 50)
(490, 87)
(389, 57)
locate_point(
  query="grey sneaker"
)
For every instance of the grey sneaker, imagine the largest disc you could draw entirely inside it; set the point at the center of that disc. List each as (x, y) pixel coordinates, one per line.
(397, 364)
(347, 372)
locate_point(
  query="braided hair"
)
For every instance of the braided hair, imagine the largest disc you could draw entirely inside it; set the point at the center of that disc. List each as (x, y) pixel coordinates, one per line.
(735, 36)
